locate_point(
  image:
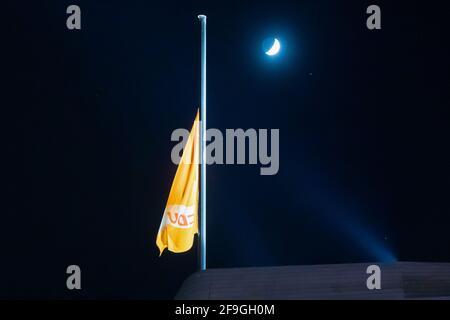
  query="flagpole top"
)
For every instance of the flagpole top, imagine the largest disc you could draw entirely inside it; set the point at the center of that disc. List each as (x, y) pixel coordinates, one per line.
(202, 17)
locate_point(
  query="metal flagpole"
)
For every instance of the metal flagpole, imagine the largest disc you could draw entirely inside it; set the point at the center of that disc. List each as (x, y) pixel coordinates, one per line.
(203, 148)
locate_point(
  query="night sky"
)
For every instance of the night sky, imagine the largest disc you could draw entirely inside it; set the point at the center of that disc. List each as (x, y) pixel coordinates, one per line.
(87, 117)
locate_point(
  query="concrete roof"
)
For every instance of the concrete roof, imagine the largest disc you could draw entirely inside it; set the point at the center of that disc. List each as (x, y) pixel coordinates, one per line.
(399, 280)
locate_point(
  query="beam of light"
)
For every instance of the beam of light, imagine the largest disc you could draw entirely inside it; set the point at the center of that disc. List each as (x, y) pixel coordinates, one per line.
(274, 49)
(338, 214)
(363, 238)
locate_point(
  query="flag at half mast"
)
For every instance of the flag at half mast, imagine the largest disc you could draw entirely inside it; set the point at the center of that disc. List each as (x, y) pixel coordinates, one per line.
(180, 220)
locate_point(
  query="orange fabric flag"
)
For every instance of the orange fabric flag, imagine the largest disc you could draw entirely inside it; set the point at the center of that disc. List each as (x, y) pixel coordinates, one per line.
(180, 220)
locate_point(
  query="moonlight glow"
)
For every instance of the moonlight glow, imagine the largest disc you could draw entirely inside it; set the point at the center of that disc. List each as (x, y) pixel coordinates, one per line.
(275, 48)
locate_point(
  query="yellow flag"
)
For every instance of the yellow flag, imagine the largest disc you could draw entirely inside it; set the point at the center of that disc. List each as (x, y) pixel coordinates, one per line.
(180, 221)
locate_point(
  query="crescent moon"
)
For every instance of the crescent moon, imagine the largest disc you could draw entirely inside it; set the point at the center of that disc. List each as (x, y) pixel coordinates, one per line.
(275, 48)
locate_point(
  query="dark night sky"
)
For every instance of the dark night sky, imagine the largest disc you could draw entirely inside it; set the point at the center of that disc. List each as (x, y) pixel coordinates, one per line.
(363, 119)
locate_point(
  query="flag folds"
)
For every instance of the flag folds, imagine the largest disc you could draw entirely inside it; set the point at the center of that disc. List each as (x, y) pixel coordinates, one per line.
(180, 220)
